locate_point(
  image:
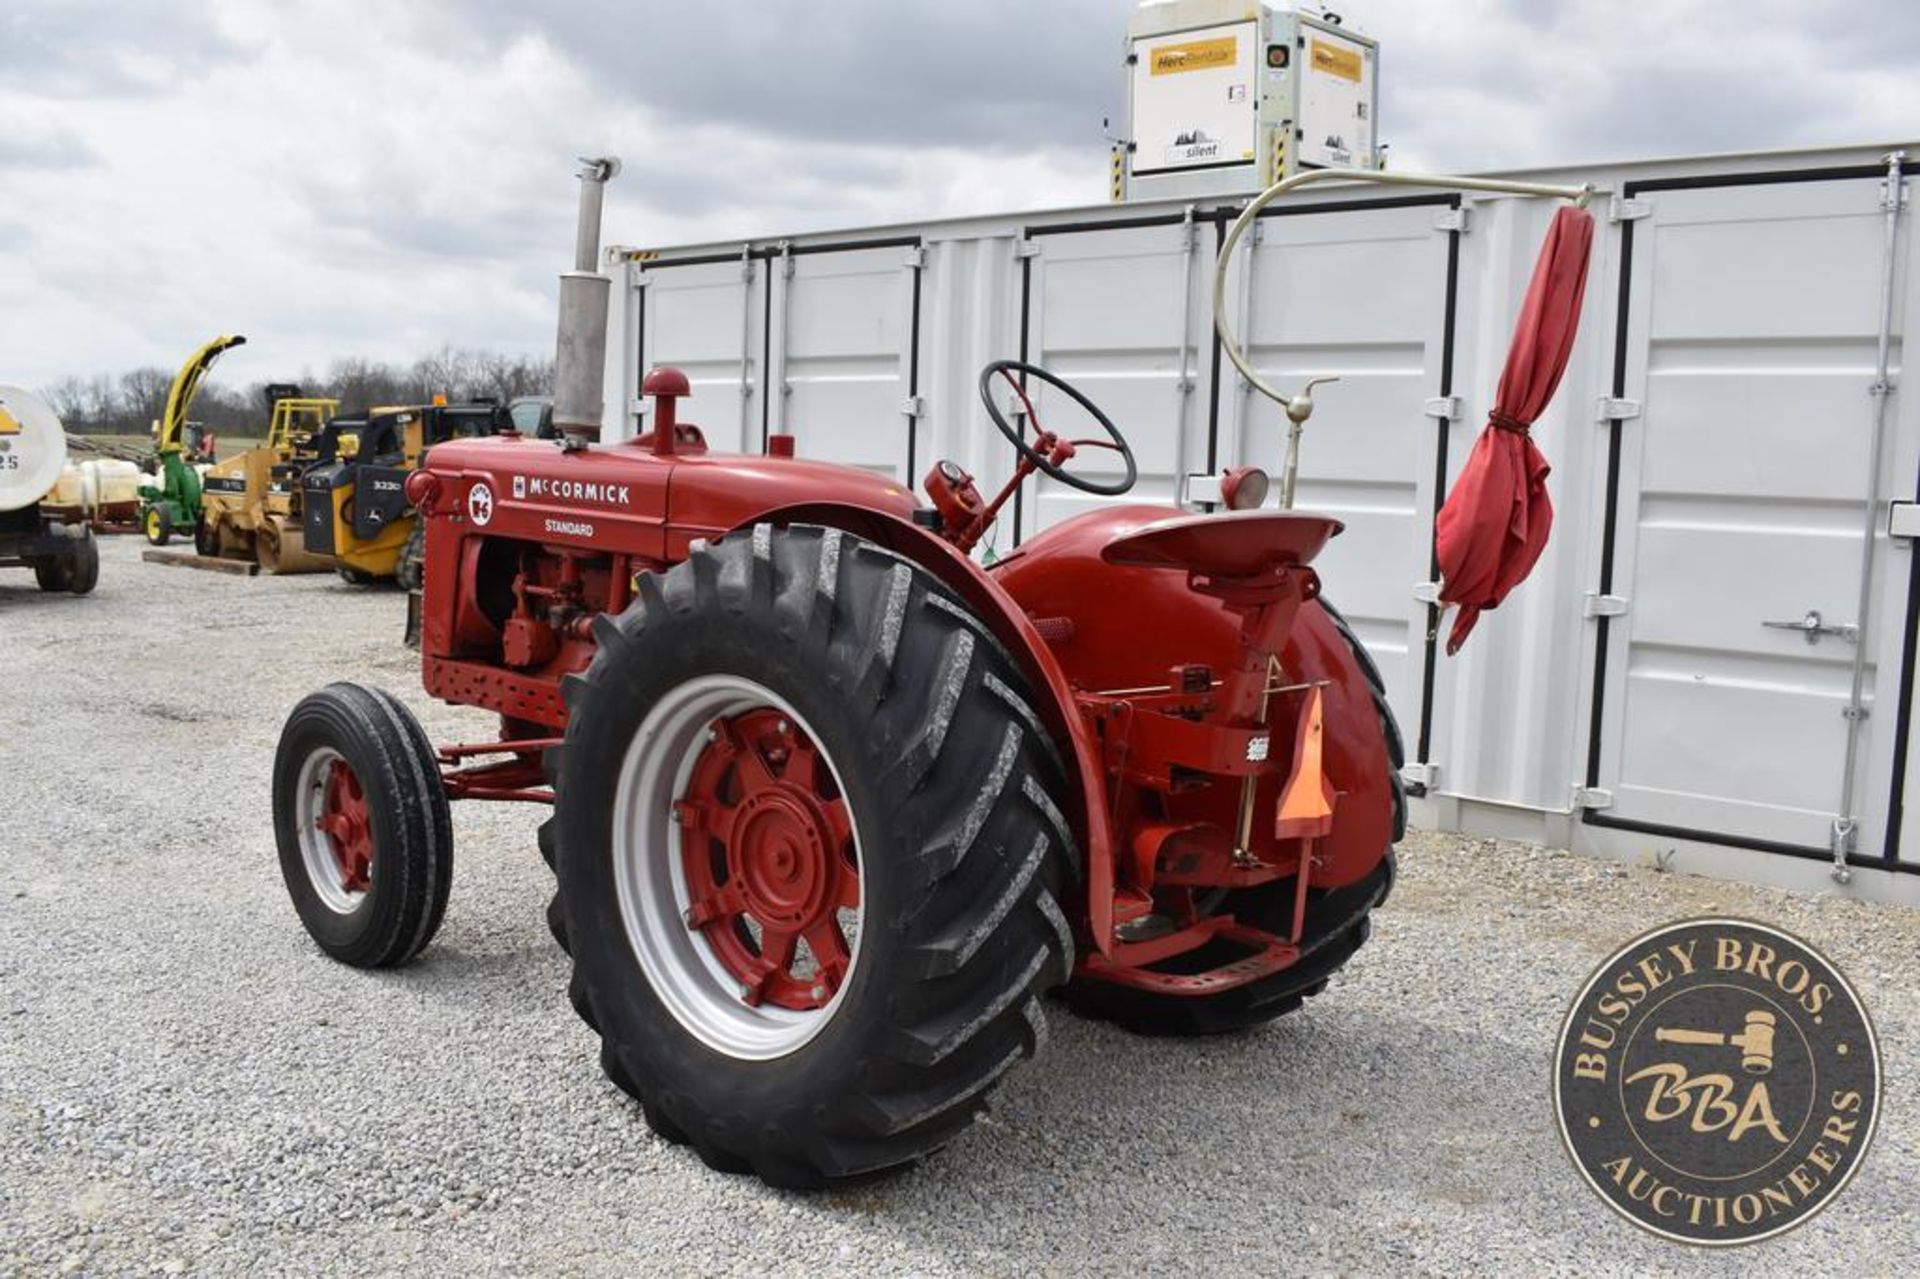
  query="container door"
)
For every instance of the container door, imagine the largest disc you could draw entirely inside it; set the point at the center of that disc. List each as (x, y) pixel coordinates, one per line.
(1111, 309)
(1737, 523)
(708, 318)
(1362, 294)
(845, 329)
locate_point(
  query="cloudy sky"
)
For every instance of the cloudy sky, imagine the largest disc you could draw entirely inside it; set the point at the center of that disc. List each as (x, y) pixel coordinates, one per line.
(338, 176)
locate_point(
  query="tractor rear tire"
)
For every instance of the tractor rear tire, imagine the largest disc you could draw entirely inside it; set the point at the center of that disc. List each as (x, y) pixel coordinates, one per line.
(159, 525)
(917, 733)
(360, 817)
(1338, 922)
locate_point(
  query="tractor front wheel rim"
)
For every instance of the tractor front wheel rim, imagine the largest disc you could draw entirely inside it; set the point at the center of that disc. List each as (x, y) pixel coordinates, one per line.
(738, 867)
(336, 831)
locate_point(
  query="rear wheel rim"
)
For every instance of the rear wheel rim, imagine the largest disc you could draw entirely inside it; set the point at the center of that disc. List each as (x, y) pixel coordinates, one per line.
(737, 867)
(336, 831)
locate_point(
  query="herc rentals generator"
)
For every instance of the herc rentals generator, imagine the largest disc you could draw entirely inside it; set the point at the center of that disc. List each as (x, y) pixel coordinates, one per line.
(834, 804)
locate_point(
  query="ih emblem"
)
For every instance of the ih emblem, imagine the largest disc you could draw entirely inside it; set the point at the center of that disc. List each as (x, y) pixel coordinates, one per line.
(480, 504)
(1717, 1081)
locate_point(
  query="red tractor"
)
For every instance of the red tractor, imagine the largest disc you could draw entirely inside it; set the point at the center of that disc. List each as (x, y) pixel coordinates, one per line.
(834, 805)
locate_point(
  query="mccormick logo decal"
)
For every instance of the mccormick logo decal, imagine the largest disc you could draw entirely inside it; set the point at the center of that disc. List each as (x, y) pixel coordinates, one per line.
(534, 486)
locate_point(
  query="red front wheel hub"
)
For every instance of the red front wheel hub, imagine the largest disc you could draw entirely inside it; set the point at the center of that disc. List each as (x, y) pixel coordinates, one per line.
(348, 825)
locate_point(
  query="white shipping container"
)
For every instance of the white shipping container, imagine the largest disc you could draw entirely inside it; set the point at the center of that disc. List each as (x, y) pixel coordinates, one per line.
(1677, 677)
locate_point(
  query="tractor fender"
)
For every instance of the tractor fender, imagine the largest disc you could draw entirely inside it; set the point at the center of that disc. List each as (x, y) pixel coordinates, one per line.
(1003, 616)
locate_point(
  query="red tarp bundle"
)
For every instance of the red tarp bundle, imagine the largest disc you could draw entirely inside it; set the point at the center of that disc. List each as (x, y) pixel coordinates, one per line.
(1495, 521)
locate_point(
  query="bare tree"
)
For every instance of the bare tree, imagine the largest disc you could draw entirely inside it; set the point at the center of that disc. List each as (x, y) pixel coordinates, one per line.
(128, 403)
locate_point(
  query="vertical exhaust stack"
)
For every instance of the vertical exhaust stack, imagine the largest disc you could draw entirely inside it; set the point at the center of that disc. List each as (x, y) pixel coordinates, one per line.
(580, 355)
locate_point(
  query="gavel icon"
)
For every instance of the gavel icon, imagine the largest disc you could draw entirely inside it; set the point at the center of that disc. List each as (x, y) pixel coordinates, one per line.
(1755, 1042)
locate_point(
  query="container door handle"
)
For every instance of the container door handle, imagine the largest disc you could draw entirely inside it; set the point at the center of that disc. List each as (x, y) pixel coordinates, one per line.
(1813, 627)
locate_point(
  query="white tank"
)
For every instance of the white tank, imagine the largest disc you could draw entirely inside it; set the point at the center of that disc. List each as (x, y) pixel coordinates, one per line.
(109, 481)
(33, 448)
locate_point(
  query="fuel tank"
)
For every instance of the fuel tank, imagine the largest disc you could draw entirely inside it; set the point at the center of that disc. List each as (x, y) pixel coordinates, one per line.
(1116, 627)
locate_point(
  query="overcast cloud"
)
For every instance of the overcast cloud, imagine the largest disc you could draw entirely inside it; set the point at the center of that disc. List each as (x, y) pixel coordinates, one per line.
(383, 179)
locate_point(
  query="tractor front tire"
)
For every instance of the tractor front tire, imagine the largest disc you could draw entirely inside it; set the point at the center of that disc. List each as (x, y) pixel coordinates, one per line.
(159, 525)
(360, 816)
(1338, 922)
(206, 537)
(357, 576)
(794, 734)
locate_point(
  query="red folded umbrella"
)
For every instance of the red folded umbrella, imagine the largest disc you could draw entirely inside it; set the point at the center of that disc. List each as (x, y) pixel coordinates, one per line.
(1494, 525)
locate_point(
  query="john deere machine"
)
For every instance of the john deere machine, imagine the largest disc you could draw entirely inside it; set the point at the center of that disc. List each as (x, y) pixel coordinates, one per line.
(251, 503)
(354, 505)
(173, 501)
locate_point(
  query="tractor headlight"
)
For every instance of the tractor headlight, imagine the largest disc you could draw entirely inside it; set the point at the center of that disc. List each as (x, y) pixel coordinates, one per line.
(1243, 488)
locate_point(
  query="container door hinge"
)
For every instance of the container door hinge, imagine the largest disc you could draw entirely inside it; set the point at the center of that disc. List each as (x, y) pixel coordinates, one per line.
(1451, 220)
(1611, 408)
(1025, 248)
(914, 406)
(1903, 520)
(1597, 605)
(1592, 797)
(1427, 592)
(1450, 407)
(916, 257)
(1424, 776)
(1621, 209)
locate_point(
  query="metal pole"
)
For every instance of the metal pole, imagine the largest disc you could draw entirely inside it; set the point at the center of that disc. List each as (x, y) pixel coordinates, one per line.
(1188, 242)
(786, 327)
(1846, 825)
(746, 338)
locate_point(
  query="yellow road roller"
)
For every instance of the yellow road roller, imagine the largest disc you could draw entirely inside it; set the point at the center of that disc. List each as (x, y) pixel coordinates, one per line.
(251, 503)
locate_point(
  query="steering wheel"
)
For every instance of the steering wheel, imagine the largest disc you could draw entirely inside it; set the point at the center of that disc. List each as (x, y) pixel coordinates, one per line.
(1052, 452)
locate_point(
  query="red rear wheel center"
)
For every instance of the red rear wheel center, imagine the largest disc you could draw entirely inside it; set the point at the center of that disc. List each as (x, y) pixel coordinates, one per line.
(767, 856)
(348, 825)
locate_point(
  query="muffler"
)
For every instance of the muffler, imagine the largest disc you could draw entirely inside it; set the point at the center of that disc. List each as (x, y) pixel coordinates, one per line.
(580, 354)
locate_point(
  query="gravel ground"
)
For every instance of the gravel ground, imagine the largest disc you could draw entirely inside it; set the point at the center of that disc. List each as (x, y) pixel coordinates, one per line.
(186, 1084)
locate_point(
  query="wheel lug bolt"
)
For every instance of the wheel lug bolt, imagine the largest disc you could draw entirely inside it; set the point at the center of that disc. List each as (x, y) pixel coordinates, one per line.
(819, 992)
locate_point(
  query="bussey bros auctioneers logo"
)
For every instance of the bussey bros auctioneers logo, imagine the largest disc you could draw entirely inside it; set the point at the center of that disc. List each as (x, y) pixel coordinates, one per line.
(1717, 1081)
